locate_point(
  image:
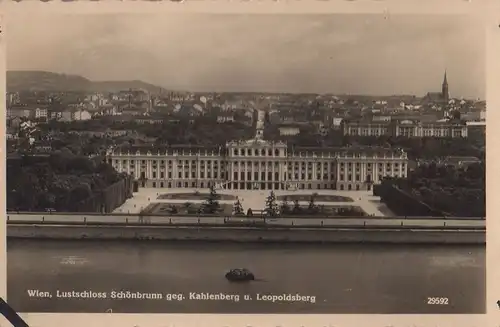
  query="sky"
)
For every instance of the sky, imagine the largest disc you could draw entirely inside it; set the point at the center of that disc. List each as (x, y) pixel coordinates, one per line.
(328, 53)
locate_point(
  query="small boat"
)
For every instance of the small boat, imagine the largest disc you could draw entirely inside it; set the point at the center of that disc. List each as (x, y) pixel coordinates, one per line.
(239, 275)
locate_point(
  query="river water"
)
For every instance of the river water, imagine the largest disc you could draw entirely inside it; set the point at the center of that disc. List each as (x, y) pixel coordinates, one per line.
(339, 278)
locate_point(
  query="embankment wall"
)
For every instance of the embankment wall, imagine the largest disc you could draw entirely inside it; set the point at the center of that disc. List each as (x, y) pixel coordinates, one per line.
(261, 235)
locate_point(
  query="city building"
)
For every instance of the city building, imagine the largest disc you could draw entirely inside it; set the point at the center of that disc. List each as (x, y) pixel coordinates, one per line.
(377, 118)
(337, 122)
(440, 97)
(19, 112)
(41, 113)
(82, 115)
(418, 127)
(404, 127)
(460, 162)
(226, 117)
(473, 116)
(475, 127)
(289, 130)
(259, 164)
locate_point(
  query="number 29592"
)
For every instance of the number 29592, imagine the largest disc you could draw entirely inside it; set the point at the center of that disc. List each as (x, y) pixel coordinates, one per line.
(437, 300)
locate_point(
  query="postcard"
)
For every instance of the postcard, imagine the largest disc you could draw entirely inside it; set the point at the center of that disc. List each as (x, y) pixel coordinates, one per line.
(183, 160)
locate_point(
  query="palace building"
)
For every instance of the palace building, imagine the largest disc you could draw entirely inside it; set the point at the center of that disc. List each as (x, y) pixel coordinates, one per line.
(259, 164)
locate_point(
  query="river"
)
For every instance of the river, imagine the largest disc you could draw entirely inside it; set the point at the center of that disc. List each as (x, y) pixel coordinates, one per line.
(339, 278)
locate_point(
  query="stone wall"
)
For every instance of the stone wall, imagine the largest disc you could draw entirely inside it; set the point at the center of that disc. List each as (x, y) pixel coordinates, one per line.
(247, 234)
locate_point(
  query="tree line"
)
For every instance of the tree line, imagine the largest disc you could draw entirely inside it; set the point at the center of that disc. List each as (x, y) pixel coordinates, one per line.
(192, 130)
(437, 190)
(60, 181)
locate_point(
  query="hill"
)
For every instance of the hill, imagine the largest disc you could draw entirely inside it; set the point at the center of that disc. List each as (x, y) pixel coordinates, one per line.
(47, 81)
(115, 86)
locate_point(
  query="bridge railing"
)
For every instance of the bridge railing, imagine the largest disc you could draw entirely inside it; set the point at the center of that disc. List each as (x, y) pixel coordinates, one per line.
(124, 214)
(216, 221)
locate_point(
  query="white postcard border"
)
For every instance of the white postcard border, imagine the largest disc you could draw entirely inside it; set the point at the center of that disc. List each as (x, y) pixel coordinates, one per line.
(485, 9)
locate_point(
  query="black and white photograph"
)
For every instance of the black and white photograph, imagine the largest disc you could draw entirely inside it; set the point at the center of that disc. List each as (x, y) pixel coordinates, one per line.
(246, 163)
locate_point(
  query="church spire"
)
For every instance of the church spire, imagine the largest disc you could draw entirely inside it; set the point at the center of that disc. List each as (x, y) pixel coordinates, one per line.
(445, 94)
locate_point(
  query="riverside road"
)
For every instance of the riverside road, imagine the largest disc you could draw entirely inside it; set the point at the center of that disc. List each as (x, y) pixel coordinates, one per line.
(59, 218)
(189, 277)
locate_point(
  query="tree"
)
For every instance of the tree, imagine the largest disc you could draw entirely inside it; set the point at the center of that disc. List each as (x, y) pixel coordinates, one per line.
(285, 207)
(455, 115)
(272, 208)
(437, 190)
(354, 212)
(238, 208)
(190, 208)
(211, 204)
(61, 181)
(312, 208)
(296, 207)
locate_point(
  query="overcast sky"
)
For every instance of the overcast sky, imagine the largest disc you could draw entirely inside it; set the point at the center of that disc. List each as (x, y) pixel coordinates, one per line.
(357, 54)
